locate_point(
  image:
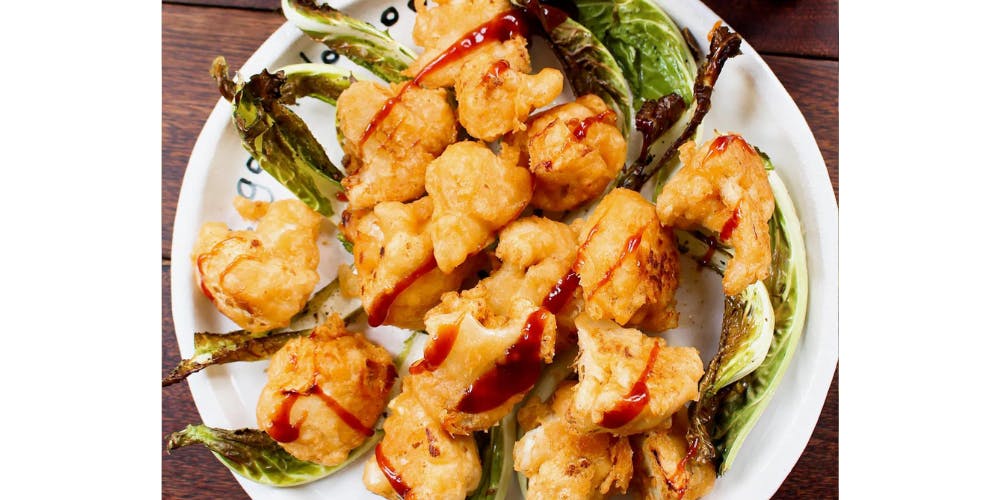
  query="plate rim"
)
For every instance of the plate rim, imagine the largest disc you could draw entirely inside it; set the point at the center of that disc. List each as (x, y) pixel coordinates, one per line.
(816, 388)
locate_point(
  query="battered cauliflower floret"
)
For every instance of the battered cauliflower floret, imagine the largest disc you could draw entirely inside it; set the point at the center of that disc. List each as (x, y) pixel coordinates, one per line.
(494, 98)
(324, 393)
(389, 164)
(561, 464)
(394, 258)
(479, 364)
(430, 463)
(629, 382)
(723, 187)
(574, 150)
(437, 28)
(628, 264)
(474, 194)
(664, 469)
(260, 278)
(535, 253)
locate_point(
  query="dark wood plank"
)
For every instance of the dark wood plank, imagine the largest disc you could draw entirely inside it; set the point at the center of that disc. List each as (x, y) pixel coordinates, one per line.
(814, 87)
(192, 472)
(192, 37)
(817, 473)
(791, 27)
(272, 5)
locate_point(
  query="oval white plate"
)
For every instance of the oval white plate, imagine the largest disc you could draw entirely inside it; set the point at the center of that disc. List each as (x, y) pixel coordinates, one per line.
(748, 99)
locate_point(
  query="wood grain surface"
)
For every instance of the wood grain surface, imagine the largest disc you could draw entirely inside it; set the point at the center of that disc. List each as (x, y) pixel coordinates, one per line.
(798, 40)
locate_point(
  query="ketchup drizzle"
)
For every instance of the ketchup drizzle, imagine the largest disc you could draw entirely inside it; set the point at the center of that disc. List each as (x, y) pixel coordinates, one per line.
(723, 141)
(380, 308)
(680, 470)
(631, 245)
(517, 372)
(437, 350)
(395, 479)
(501, 28)
(561, 292)
(496, 69)
(635, 401)
(341, 412)
(730, 225)
(580, 131)
(282, 430)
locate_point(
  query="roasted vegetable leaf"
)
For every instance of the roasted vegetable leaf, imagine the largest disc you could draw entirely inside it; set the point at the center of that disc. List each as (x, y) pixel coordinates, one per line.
(588, 64)
(726, 412)
(497, 460)
(747, 331)
(788, 286)
(218, 348)
(321, 81)
(725, 44)
(352, 38)
(278, 139)
(252, 454)
(650, 49)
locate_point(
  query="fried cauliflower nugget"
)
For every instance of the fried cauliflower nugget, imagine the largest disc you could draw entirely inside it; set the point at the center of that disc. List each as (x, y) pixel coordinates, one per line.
(324, 393)
(260, 278)
(436, 29)
(629, 382)
(574, 150)
(723, 187)
(535, 253)
(664, 469)
(479, 364)
(561, 464)
(494, 98)
(390, 163)
(474, 194)
(628, 263)
(394, 257)
(430, 463)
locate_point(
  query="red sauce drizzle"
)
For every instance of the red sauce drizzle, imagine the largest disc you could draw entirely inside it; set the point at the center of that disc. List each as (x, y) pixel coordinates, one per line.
(730, 225)
(341, 412)
(437, 350)
(380, 308)
(516, 373)
(723, 141)
(342, 196)
(580, 131)
(281, 430)
(201, 260)
(631, 245)
(561, 292)
(634, 402)
(501, 28)
(395, 479)
(498, 68)
(680, 470)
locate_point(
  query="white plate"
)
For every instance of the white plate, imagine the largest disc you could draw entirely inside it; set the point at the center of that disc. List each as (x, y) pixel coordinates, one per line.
(748, 99)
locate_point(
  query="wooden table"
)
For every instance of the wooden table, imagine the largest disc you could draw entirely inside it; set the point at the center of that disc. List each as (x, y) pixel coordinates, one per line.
(798, 39)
